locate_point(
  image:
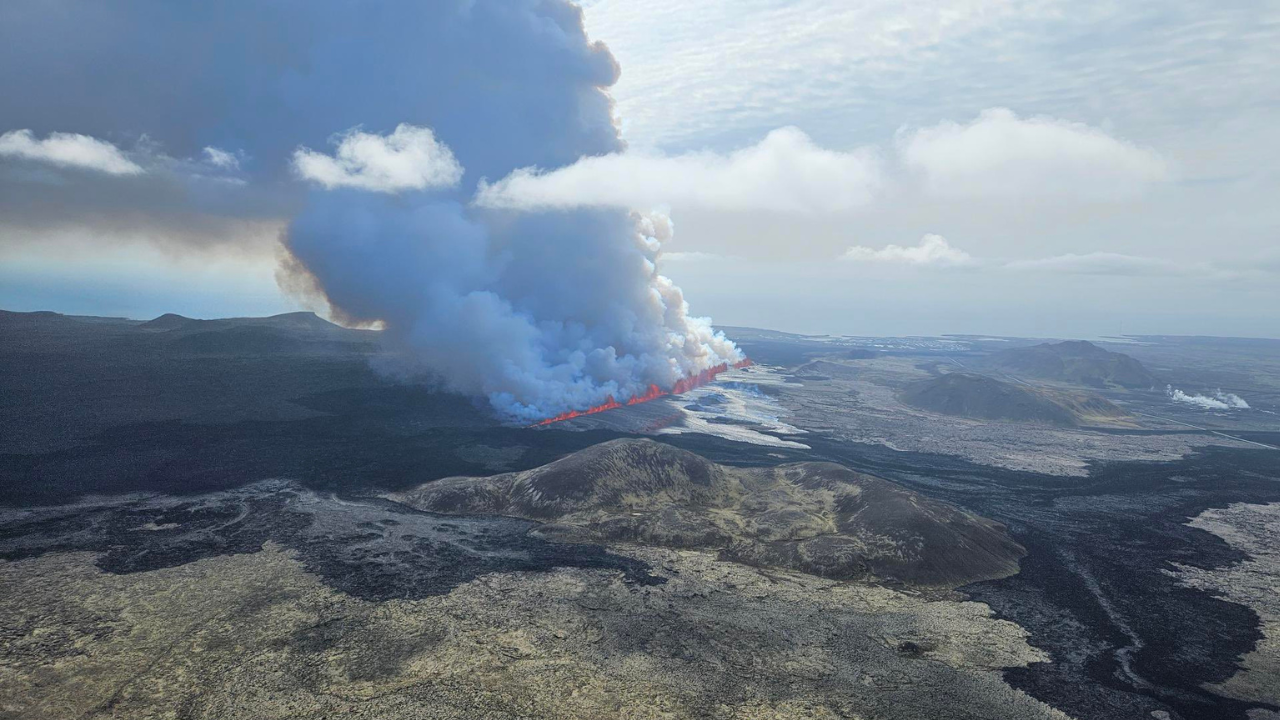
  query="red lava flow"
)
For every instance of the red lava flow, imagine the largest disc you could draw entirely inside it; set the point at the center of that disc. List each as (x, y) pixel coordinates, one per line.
(683, 385)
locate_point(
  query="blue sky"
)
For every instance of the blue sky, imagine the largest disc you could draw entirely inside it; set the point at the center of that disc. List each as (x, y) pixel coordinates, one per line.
(1033, 168)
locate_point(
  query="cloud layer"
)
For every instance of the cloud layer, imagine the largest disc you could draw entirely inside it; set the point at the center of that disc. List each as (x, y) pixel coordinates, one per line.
(727, 67)
(410, 158)
(936, 251)
(1107, 263)
(996, 157)
(852, 72)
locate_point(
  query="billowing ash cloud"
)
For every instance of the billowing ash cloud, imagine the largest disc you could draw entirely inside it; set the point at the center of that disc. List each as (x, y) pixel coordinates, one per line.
(1219, 400)
(539, 313)
(371, 125)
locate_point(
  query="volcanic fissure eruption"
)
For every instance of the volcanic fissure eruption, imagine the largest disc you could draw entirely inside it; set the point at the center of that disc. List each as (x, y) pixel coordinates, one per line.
(367, 129)
(546, 313)
(682, 386)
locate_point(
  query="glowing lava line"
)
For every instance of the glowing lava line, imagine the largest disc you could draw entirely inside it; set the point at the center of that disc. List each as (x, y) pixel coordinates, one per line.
(682, 386)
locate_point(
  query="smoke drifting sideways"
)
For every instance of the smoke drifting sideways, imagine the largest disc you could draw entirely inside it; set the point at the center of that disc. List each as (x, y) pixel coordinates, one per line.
(1219, 400)
(367, 127)
(541, 313)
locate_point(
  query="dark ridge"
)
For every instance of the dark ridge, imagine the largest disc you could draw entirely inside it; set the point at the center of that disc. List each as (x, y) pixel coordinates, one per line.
(10, 316)
(308, 320)
(294, 321)
(48, 319)
(167, 321)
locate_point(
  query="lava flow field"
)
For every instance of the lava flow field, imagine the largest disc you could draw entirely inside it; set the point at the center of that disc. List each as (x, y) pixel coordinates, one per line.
(683, 385)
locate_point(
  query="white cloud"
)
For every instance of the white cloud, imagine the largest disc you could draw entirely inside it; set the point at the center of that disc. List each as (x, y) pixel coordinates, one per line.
(1218, 401)
(852, 70)
(408, 159)
(786, 172)
(932, 250)
(68, 150)
(997, 156)
(221, 158)
(1000, 155)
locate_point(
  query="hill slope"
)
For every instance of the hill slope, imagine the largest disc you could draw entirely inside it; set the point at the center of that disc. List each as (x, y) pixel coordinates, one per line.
(817, 518)
(985, 398)
(1075, 361)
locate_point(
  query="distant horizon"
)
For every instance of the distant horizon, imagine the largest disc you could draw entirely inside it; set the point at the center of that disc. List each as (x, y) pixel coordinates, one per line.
(720, 327)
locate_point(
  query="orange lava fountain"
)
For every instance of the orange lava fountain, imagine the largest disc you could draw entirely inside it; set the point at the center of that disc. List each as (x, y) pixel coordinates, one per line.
(682, 386)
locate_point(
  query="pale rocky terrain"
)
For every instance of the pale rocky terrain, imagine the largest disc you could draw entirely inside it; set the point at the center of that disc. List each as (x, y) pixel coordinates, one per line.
(256, 635)
(1255, 583)
(857, 401)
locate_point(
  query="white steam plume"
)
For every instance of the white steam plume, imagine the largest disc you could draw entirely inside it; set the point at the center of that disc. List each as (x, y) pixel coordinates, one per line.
(540, 314)
(1219, 400)
(540, 310)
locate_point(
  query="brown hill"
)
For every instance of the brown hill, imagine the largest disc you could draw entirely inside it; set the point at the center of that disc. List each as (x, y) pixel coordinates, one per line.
(818, 518)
